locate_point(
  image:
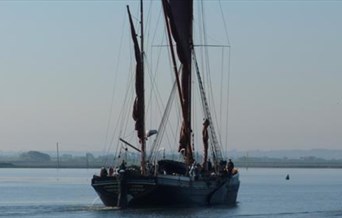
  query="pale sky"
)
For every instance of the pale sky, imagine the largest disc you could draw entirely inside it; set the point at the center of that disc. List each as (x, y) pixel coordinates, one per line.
(58, 64)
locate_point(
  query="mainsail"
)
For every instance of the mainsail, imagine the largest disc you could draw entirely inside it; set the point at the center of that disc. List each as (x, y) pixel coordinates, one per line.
(180, 15)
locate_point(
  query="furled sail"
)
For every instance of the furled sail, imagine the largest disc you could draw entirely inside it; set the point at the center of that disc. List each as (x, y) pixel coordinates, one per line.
(205, 138)
(180, 15)
(138, 108)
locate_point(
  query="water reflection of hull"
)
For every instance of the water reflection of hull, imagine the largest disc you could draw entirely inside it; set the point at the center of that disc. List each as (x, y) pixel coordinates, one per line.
(134, 190)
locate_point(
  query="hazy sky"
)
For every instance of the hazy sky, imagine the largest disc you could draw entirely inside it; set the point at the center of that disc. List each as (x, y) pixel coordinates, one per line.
(58, 58)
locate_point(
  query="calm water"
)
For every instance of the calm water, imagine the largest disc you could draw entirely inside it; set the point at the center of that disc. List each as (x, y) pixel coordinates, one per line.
(263, 193)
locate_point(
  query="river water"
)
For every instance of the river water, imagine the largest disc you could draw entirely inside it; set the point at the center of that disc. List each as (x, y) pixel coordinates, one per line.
(263, 193)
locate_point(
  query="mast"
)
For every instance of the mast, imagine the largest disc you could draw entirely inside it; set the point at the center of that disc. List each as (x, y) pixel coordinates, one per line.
(57, 155)
(139, 103)
(143, 139)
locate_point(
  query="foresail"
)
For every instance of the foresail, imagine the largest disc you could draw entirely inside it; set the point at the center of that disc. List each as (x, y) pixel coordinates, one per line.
(138, 108)
(180, 16)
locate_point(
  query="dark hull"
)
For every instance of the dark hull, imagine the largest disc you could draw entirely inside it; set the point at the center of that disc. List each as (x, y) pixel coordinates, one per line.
(135, 190)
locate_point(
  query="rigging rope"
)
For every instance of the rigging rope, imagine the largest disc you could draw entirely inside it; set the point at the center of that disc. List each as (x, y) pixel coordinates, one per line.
(228, 75)
(161, 130)
(116, 73)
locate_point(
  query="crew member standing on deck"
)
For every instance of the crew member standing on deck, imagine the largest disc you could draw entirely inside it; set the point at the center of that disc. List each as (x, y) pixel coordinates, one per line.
(230, 167)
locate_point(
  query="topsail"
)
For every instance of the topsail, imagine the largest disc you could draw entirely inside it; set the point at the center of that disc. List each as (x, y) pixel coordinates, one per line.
(138, 108)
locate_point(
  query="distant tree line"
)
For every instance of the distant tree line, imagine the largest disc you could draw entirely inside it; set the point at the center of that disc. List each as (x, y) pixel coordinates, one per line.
(88, 160)
(35, 156)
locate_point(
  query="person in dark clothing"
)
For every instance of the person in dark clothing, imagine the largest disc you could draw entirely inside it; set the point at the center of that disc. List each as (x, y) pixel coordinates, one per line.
(123, 165)
(210, 166)
(205, 138)
(103, 172)
(230, 166)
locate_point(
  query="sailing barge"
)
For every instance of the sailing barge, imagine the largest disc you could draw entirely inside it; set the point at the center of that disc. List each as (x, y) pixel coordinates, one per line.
(169, 182)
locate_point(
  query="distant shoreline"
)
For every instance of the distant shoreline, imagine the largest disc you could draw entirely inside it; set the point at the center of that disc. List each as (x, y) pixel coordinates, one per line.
(36, 159)
(238, 164)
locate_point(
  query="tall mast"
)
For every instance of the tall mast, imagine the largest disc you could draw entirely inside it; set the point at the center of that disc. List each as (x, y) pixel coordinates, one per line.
(139, 103)
(57, 155)
(143, 139)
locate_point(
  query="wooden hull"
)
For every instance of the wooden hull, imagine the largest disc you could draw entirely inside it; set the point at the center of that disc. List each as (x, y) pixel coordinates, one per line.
(135, 191)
